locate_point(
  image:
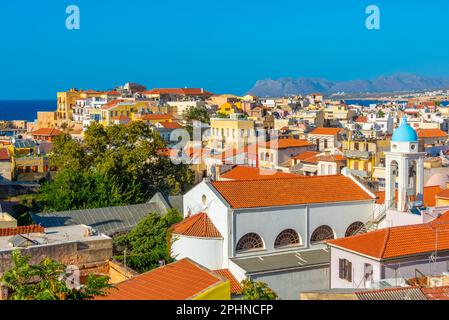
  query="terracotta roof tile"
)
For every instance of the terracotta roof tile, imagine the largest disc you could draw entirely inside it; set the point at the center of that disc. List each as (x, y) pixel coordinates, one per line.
(4, 232)
(285, 143)
(4, 154)
(180, 280)
(250, 173)
(171, 125)
(157, 116)
(306, 155)
(236, 287)
(294, 191)
(198, 225)
(398, 241)
(431, 133)
(180, 91)
(47, 132)
(326, 131)
(436, 293)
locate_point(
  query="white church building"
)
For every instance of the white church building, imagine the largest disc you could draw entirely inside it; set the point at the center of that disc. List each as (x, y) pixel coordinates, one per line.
(272, 230)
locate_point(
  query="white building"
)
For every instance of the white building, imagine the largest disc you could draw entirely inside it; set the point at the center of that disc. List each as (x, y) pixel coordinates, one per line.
(271, 230)
(412, 238)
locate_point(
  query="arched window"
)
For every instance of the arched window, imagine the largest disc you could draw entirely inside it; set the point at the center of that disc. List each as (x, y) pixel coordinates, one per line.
(353, 228)
(321, 233)
(287, 238)
(249, 241)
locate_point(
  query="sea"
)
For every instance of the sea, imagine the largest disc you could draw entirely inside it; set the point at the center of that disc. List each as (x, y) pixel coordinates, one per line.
(24, 109)
(367, 103)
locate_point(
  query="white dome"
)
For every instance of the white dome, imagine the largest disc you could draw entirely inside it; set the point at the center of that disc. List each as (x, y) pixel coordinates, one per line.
(438, 179)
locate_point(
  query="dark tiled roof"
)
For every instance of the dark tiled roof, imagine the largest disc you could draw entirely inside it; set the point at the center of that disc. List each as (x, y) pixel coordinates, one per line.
(108, 220)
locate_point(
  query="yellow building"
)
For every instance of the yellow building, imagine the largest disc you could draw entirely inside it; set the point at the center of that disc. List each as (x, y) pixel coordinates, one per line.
(229, 108)
(230, 133)
(364, 154)
(115, 109)
(26, 163)
(67, 100)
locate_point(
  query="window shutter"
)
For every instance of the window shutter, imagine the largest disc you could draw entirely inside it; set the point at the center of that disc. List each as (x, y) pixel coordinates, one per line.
(349, 271)
(341, 268)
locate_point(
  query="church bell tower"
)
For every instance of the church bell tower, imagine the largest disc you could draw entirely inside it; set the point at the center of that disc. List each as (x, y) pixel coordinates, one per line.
(404, 170)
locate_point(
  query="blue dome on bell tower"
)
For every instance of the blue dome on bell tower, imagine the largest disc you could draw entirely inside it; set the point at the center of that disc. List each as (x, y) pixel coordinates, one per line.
(404, 133)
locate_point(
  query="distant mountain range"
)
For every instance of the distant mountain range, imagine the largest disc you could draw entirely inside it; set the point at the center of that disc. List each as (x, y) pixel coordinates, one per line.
(400, 82)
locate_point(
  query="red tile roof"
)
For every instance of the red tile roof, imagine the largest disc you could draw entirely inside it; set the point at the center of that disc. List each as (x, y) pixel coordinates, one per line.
(331, 158)
(443, 194)
(361, 120)
(326, 131)
(4, 154)
(306, 155)
(4, 232)
(199, 225)
(431, 133)
(180, 91)
(112, 93)
(51, 132)
(157, 116)
(285, 143)
(236, 287)
(436, 293)
(250, 173)
(180, 280)
(293, 191)
(171, 125)
(398, 241)
(429, 195)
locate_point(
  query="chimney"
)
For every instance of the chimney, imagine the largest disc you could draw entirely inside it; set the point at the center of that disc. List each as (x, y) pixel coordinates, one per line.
(161, 263)
(202, 90)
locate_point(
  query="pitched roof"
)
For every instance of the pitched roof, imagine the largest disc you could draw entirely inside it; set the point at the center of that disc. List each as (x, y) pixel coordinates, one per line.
(398, 241)
(47, 132)
(198, 225)
(4, 154)
(429, 195)
(431, 133)
(362, 119)
(326, 131)
(170, 125)
(306, 155)
(109, 220)
(250, 173)
(236, 287)
(285, 143)
(331, 158)
(4, 232)
(436, 293)
(180, 91)
(293, 191)
(406, 293)
(443, 194)
(180, 280)
(157, 116)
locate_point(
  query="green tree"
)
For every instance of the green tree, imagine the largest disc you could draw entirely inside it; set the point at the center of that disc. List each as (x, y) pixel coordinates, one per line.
(116, 165)
(257, 290)
(195, 113)
(148, 243)
(46, 281)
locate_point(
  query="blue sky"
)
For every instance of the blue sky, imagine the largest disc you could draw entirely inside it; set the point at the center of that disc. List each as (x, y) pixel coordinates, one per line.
(223, 46)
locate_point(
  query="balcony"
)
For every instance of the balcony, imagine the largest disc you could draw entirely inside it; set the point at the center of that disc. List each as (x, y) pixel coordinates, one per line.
(357, 154)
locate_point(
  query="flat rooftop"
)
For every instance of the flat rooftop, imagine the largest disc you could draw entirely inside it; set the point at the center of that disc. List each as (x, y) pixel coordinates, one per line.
(55, 235)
